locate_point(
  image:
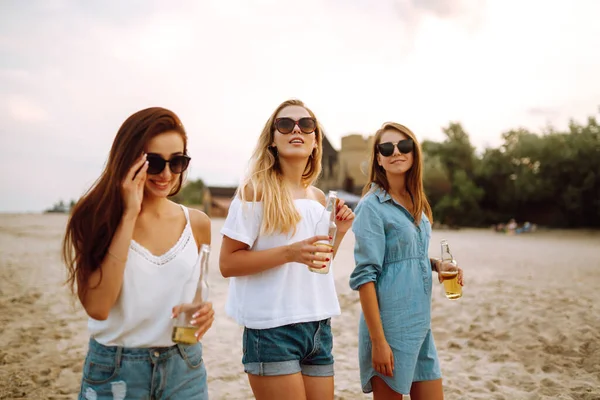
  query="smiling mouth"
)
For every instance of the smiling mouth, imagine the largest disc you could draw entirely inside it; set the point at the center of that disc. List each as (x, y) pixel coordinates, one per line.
(161, 184)
(297, 141)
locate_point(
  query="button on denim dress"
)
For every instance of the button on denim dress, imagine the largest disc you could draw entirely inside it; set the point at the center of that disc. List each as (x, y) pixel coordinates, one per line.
(392, 251)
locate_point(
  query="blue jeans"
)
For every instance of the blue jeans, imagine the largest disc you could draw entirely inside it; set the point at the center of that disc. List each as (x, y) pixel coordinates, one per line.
(303, 347)
(117, 373)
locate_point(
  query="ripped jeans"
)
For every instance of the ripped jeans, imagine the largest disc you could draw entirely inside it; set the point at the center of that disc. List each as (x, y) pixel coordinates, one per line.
(117, 373)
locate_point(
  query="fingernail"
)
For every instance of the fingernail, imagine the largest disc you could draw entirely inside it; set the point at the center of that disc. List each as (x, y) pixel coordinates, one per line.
(196, 315)
(327, 259)
(330, 237)
(172, 315)
(192, 322)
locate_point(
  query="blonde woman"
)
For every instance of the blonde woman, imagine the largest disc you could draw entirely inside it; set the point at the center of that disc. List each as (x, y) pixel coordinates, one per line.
(267, 247)
(393, 273)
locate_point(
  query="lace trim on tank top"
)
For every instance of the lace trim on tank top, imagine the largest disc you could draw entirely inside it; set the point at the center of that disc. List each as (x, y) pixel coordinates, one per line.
(177, 248)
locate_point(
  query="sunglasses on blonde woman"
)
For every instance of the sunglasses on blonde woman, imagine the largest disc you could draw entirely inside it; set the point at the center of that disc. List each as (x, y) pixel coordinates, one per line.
(286, 125)
(404, 147)
(177, 164)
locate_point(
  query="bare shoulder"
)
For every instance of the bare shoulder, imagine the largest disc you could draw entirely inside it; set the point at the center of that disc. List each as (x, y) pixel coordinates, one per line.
(317, 194)
(200, 226)
(248, 192)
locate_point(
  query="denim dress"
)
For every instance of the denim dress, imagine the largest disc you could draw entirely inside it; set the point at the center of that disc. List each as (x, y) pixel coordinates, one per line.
(392, 251)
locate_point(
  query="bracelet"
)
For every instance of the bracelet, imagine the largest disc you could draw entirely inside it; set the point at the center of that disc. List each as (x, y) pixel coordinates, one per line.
(115, 257)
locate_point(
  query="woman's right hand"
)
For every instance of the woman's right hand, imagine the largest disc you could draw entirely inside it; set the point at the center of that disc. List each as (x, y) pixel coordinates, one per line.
(304, 251)
(383, 358)
(132, 188)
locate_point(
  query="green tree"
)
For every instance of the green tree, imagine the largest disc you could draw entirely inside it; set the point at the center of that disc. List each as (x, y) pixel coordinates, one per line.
(191, 193)
(449, 168)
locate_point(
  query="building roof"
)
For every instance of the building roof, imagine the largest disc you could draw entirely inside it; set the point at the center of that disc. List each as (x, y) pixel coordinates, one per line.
(222, 191)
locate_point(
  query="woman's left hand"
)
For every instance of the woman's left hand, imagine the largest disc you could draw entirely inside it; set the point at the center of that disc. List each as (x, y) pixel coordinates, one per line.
(449, 266)
(203, 319)
(344, 217)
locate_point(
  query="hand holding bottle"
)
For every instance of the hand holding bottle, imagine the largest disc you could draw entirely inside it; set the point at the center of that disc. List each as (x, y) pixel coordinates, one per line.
(446, 268)
(194, 316)
(326, 226)
(305, 251)
(201, 317)
(344, 217)
(449, 273)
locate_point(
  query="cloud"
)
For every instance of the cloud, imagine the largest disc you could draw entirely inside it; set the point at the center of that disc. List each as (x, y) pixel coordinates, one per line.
(23, 109)
(543, 112)
(445, 8)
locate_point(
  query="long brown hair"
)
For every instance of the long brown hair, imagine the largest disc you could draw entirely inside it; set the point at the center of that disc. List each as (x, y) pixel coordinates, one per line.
(265, 179)
(95, 217)
(414, 176)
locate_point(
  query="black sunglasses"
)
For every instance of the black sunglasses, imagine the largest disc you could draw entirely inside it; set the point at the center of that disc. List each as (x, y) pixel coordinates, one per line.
(404, 147)
(286, 125)
(177, 164)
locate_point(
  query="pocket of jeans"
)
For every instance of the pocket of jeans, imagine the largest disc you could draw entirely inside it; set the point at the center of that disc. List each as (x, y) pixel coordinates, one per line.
(100, 368)
(192, 354)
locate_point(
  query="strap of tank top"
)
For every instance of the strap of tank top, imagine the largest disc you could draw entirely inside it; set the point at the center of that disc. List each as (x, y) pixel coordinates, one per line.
(187, 213)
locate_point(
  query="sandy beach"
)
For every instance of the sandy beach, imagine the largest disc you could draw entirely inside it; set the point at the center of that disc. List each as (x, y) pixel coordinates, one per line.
(528, 326)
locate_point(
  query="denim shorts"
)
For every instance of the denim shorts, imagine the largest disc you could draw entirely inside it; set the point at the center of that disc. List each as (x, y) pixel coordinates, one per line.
(113, 372)
(303, 347)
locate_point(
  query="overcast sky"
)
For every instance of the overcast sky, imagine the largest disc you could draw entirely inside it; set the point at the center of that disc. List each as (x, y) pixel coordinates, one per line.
(72, 71)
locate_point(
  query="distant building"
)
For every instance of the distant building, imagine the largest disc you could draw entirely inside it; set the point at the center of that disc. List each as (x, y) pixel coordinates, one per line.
(217, 200)
(354, 163)
(329, 167)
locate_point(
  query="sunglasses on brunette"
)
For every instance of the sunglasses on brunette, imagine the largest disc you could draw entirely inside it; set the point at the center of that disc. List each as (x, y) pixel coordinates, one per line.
(177, 164)
(404, 147)
(286, 125)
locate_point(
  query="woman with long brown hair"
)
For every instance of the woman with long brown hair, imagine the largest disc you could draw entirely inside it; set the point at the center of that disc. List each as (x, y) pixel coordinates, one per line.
(268, 247)
(130, 252)
(393, 273)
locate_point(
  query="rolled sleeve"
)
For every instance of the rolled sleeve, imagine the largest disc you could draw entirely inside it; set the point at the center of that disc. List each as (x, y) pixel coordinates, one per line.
(242, 222)
(369, 247)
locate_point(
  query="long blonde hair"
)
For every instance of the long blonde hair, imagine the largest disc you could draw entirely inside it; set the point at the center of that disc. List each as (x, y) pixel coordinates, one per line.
(265, 183)
(414, 176)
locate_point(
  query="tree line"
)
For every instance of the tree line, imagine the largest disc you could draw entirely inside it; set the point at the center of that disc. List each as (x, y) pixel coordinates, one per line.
(551, 178)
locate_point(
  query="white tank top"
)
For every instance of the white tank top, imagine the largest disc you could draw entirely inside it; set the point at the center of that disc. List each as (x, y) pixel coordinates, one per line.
(152, 285)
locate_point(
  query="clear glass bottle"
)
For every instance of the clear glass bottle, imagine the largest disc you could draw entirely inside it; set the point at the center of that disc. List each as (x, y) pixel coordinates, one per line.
(183, 330)
(451, 286)
(326, 226)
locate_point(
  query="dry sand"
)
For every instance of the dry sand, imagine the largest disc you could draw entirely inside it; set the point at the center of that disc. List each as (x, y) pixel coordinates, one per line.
(528, 326)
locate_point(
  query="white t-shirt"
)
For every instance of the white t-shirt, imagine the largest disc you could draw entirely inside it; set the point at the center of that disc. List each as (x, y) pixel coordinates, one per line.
(286, 294)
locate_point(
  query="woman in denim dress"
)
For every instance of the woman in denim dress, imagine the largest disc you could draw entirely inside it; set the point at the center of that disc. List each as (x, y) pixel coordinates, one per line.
(268, 246)
(393, 273)
(130, 252)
